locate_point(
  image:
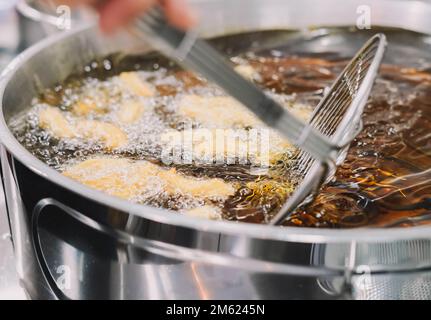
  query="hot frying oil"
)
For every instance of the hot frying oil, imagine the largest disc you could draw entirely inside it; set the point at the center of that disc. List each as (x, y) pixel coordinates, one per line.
(385, 178)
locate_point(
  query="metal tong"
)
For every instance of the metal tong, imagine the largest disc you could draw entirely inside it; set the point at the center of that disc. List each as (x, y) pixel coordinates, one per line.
(334, 124)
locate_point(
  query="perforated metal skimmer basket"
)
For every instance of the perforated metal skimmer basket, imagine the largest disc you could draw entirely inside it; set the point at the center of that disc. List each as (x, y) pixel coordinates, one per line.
(323, 141)
(338, 117)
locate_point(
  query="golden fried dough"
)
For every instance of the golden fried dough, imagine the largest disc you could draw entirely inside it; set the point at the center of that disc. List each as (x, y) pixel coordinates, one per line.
(226, 112)
(208, 144)
(128, 179)
(204, 212)
(108, 134)
(130, 112)
(118, 177)
(257, 147)
(220, 112)
(84, 108)
(136, 85)
(53, 120)
(246, 71)
(205, 188)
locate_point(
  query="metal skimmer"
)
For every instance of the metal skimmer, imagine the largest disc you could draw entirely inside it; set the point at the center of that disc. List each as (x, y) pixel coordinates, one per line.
(323, 142)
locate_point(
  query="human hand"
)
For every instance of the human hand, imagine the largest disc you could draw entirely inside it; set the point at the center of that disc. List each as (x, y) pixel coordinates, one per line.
(118, 13)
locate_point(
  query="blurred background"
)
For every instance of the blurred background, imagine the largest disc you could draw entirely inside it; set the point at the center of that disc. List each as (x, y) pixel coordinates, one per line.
(25, 22)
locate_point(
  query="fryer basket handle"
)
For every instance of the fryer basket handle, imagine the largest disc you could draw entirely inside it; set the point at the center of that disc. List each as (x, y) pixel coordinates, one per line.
(37, 246)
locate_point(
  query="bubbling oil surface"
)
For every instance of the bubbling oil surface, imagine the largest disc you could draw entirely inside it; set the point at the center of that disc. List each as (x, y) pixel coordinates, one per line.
(385, 177)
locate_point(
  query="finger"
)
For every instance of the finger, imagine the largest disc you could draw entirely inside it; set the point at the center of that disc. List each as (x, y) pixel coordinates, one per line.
(117, 13)
(179, 13)
(71, 3)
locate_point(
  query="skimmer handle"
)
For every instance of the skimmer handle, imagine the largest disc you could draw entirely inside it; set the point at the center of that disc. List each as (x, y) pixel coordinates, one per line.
(196, 54)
